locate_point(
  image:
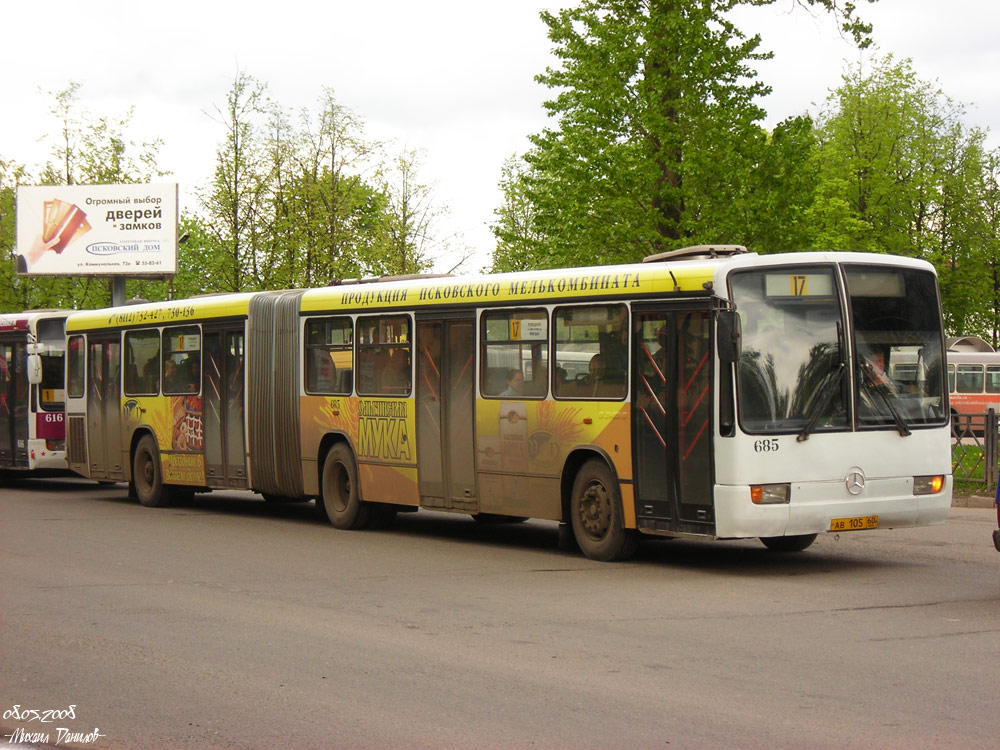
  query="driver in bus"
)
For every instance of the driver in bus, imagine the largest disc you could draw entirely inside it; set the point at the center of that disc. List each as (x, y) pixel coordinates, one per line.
(878, 372)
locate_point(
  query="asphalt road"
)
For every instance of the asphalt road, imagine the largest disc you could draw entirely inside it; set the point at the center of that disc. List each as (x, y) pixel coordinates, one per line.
(232, 623)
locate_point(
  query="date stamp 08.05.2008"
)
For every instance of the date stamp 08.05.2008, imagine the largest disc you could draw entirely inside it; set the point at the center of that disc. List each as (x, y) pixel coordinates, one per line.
(36, 726)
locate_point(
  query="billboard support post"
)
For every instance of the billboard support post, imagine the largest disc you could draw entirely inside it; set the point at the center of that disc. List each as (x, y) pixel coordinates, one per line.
(117, 291)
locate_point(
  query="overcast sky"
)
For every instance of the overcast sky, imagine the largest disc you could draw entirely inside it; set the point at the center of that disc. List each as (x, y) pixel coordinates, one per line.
(454, 78)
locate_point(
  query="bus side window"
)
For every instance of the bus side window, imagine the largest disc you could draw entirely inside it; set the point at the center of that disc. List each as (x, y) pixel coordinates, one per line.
(384, 356)
(592, 350)
(993, 378)
(181, 360)
(329, 356)
(515, 354)
(142, 363)
(970, 379)
(75, 366)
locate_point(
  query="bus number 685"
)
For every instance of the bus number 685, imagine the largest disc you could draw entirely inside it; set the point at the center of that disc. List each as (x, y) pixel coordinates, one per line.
(769, 445)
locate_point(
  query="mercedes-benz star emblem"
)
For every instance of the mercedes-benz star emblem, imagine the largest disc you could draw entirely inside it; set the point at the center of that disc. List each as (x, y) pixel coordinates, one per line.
(855, 482)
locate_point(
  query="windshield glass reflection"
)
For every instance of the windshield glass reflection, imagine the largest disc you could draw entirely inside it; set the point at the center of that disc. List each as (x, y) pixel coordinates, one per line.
(790, 370)
(898, 349)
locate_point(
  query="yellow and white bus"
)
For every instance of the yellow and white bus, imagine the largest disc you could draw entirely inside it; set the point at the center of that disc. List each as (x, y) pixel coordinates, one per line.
(32, 426)
(708, 393)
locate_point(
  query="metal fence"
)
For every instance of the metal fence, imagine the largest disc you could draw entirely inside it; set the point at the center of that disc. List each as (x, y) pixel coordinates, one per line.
(974, 442)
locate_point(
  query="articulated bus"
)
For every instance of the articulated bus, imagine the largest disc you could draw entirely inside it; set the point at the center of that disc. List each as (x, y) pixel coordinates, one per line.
(707, 393)
(32, 425)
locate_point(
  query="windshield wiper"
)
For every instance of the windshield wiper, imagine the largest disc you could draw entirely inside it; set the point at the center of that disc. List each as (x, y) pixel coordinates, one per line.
(821, 400)
(868, 375)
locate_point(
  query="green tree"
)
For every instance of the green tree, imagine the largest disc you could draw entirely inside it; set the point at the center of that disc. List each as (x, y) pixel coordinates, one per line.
(235, 201)
(517, 239)
(990, 242)
(412, 241)
(900, 173)
(655, 141)
(330, 218)
(782, 190)
(291, 206)
(85, 149)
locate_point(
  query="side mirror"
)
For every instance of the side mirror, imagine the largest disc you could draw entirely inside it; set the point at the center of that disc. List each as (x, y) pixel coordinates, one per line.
(34, 369)
(729, 336)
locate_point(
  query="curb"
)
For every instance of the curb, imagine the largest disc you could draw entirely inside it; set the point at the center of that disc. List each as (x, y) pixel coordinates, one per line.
(971, 501)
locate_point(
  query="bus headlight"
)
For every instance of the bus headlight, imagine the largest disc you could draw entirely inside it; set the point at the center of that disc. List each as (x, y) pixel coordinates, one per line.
(928, 485)
(770, 494)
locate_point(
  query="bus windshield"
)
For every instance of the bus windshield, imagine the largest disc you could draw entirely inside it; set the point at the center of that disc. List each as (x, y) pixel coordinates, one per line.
(791, 369)
(898, 351)
(794, 374)
(51, 391)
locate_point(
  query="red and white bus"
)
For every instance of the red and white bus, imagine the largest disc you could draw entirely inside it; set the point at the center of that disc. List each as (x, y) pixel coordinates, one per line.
(973, 381)
(32, 393)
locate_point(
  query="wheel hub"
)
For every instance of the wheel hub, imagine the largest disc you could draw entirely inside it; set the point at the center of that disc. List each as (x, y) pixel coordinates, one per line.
(595, 511)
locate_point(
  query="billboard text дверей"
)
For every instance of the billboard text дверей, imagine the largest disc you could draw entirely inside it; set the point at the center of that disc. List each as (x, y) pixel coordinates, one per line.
(97, 230)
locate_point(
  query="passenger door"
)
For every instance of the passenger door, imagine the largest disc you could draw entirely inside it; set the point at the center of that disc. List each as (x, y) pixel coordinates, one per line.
(446, 414)
(13, 404)
(104, 424)
(672, 419)
(223, 414)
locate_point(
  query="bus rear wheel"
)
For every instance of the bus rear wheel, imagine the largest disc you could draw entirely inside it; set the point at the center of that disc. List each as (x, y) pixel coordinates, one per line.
(792, 543)
(341, 495)
(596, 514)
(147, 476)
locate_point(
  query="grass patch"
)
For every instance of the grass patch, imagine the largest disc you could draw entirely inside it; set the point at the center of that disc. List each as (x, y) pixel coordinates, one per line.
(968, 464)
(967, 489)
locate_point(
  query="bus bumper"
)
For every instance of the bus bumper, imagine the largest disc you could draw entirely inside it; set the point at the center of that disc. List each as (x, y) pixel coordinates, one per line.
(813, 506)
(40, 457)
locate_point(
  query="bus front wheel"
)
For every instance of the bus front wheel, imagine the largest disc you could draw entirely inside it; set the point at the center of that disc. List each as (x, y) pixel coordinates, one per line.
(596, 514)
(146, 474)
(341, 495)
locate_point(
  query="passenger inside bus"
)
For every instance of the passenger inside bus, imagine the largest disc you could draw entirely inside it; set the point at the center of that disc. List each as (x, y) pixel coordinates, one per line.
(171, 379)
(605, 381)
(515, 382)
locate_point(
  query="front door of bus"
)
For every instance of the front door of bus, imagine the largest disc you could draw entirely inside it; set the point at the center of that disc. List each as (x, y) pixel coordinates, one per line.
(104, 408)
(13, 404)
(446, 414)
(223, 396)
(672, 420)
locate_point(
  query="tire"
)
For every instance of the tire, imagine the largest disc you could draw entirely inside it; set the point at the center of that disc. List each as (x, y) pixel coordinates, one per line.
(147, 476)
(794, 543)
(341, 492)
(596, 515)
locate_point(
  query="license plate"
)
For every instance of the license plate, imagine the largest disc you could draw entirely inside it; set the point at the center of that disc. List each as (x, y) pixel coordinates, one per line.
(854, 524)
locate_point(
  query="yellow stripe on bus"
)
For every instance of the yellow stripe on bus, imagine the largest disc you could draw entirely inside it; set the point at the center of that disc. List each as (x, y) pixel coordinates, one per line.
(576, 284)
(178, 311)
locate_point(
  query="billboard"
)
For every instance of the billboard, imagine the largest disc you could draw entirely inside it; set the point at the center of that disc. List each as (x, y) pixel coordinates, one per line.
(97, 230)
